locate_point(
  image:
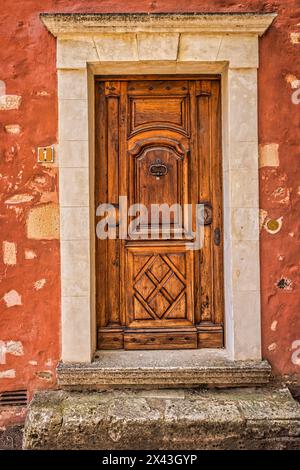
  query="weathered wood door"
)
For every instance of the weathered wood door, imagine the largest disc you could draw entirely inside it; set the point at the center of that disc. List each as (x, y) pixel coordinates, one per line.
(158, 142)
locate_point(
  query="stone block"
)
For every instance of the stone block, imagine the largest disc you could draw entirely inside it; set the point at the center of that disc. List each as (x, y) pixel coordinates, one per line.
(43, 222)
(157, 46)
(197, 420)
(116, 47)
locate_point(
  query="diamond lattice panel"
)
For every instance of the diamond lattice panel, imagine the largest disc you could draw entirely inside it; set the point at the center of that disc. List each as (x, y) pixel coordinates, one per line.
(159, 287)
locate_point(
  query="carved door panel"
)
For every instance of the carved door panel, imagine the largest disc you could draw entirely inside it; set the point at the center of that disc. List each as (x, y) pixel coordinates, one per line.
(158, 143)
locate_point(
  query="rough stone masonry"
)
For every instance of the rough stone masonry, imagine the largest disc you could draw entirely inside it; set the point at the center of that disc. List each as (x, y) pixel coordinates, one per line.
(164, 419)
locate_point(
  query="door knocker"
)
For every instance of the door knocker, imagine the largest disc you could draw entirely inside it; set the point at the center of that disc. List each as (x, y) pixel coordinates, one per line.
(158, 169)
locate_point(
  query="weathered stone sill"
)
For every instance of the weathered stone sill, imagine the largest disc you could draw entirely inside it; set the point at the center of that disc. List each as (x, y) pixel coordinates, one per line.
(189, 368)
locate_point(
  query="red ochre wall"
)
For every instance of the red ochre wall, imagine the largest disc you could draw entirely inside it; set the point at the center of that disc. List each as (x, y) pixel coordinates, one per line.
(29, 253)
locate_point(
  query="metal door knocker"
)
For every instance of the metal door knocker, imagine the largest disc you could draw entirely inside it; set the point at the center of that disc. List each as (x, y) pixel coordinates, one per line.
(158, 169)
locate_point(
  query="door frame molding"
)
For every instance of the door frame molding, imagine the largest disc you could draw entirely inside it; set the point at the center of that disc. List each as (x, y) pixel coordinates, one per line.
(108, 44)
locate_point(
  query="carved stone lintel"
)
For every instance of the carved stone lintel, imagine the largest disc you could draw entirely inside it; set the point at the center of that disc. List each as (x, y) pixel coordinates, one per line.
(85, 23)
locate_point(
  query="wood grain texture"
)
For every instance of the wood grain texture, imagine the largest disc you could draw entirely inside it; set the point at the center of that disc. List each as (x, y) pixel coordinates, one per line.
(110, 338)
(160, 339)
(158, 142)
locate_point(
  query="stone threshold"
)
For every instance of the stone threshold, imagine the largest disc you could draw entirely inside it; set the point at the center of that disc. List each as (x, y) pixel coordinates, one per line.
(251, 418)
(163, 369)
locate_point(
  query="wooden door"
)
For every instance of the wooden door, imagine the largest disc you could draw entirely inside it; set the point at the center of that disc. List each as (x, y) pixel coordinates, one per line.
(158, 142)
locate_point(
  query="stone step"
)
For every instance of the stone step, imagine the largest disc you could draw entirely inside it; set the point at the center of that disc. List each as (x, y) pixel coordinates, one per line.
(163, 369)
(246, 418)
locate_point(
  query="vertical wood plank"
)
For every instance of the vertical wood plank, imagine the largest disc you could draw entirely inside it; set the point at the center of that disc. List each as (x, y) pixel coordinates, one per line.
(205, 177)
(123, 187)
(101, 197)
(194, 184)
(216, 171)
(113, 252)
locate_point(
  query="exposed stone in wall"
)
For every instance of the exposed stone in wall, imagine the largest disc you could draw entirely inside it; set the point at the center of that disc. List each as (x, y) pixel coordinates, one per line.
(13, 129)
(292, 80)
(8, 102)
(296, 356)
(43, 222)
(12, 298)
(7, 374)
(39, 284)
(19, 199)
(9, 253)
(274, 325)
(45, 375)
(295, 37)
(30, 254)
(269, 155)
(14, 347)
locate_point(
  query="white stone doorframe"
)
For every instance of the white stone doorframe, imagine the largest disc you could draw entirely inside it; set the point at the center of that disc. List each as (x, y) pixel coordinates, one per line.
(108, 44)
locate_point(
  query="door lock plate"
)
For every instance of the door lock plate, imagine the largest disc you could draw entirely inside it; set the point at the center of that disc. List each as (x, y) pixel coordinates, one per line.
(205, 214)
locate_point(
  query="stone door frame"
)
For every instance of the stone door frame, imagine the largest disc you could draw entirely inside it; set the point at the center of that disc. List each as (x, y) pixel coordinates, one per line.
(116, 44)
